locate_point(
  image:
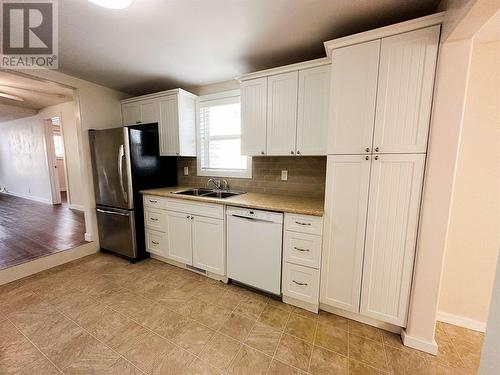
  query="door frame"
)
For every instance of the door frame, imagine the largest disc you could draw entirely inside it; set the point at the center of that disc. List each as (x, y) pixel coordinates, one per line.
(51, 162)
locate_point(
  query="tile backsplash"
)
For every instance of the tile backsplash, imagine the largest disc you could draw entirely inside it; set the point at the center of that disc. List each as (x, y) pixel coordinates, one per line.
(306, 175)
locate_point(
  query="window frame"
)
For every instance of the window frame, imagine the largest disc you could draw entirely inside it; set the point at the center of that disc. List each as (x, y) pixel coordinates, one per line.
(225, 96)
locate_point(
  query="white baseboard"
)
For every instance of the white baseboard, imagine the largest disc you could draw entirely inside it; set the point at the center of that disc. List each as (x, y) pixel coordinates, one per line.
(461, 321)
(419, 344)
(30, 197)
(10, 274)
(88, 237)
(77, 207)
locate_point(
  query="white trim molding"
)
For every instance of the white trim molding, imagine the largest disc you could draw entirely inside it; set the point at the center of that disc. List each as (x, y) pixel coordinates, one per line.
(13, 273)
(461, 321)
(383, 32)
(89, 237)
(77, 207)
(29, 197)
(419, 344)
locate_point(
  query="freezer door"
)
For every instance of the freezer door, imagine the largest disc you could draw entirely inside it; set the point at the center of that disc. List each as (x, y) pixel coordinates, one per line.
(110, 167)
(117, 231)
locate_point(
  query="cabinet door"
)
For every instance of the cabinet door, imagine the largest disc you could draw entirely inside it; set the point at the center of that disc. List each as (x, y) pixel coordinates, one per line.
(312, 115)
(347, 185)
(180, 247)
(168, 127)
(406, 81)
(352, 98)
(208, 244)
(150, 111)
(395, 187)
(282, 113)
(253, 116)
(131, 114)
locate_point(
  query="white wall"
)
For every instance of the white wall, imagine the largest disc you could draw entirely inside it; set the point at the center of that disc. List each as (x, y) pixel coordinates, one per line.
(23, 159)
(474, 231)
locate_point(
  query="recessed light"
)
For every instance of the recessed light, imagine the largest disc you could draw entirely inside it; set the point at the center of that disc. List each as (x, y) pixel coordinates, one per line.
(12, 97)
(112, 4)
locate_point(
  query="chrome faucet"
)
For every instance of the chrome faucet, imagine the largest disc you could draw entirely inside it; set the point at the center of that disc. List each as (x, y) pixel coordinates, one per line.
(215, 182)
(225, 185)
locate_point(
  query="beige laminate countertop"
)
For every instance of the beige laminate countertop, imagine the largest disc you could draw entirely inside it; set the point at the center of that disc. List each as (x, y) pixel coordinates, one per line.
(272, 202)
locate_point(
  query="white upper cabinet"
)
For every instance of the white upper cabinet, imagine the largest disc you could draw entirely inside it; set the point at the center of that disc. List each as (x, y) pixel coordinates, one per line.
(404, 98)
(174, 111)
(131, 114)
(353, 95)
(312, 115)
(391, 231)
(347, 185)
(253, 116)
(282, 92)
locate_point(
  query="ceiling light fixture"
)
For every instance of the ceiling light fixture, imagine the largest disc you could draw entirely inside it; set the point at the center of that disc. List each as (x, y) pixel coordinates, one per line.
(13, 97)
(112, 4)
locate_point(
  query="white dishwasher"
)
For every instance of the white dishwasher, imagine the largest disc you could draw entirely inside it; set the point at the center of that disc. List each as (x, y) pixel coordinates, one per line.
(254, 248)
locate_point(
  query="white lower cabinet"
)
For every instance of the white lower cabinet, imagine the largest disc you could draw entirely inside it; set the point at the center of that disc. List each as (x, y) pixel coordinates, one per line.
(178, 230)
(301, 261)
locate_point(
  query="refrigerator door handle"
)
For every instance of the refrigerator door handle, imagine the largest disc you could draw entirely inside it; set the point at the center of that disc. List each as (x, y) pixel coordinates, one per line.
(121, 156)
(111, 212)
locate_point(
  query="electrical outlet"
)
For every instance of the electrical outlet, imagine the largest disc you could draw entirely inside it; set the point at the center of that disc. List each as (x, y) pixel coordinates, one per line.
(186, 171)
(284, 175)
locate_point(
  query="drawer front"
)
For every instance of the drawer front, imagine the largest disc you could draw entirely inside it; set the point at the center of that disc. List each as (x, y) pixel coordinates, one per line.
(155, 219)
(156, 242)
(301, 283)
(213, 210)
(302, 248)
(304, 223)
(154, 202)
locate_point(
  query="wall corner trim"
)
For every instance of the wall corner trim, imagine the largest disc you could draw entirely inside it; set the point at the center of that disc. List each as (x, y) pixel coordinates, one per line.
(461, 321)
(89, 237)
(419, 344)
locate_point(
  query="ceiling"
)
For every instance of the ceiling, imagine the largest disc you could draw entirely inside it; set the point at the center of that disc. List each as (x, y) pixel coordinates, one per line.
(162, 44)
(32, 95)
(490, 32)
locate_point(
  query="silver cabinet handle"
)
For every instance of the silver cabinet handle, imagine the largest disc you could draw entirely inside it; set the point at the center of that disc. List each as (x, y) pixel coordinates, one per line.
(152, 201)
(298, 283)
(299, 249)
(155, 243)
(298, 222)
(153, 219)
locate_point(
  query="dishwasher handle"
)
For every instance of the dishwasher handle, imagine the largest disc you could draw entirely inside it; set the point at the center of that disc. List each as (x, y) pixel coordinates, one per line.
(252, 219)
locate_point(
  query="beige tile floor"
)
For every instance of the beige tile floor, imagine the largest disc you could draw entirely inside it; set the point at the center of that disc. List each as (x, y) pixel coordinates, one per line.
(102, 315)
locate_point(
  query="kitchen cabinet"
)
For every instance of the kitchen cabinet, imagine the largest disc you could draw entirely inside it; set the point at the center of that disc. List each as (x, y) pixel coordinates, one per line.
(188, 233)
(285, 111)
(253, 116)
(405, 86)
(312, 111)
(174, 111)
(391, 233)
(346, 204)
(353, 98)
(282, 92)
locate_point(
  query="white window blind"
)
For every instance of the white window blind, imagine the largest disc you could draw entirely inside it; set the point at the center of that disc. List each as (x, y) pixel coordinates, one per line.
(219, 138)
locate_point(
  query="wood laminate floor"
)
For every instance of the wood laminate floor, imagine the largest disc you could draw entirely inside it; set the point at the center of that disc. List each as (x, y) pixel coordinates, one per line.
(30, 230)
(104, 315)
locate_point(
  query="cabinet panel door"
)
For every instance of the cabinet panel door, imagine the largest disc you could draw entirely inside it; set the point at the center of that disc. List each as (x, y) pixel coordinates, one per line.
(282, 113)
(253, 116)
(180, 246)
(312, 115)
(208, 244)
(347, 185)
(150, 111)
(406, 81)
(395, 189)
(131, 114)
(168, 127)
(353, 93)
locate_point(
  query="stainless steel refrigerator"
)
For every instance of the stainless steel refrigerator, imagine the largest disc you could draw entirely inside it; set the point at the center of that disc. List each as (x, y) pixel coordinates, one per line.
(125, 161)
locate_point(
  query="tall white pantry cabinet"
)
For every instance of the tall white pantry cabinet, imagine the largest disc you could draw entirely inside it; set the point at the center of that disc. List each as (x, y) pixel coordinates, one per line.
(380, 105)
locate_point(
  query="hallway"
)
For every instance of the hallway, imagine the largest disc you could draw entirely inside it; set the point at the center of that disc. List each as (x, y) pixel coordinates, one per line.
(30, 230)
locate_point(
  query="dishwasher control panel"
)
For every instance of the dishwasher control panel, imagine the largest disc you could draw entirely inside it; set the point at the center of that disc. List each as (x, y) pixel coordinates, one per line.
(275, 217)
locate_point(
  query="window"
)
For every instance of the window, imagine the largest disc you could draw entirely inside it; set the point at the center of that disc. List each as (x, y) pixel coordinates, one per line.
(219, 137)
(58, 145)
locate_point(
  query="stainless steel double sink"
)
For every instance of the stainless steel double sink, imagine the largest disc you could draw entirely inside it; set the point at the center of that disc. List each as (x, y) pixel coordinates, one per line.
(209, 193)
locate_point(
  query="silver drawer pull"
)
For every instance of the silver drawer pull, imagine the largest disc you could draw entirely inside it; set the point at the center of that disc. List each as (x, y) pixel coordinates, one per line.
(152, 201)
(153, 219)
(298, 222)
(299, 249)
(155, 243)
(302, 284)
